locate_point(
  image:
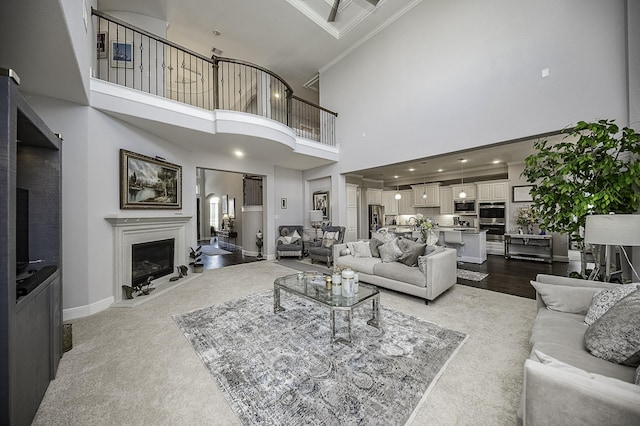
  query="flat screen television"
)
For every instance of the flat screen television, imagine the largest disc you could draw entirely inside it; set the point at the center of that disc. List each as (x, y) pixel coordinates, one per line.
(22, 229)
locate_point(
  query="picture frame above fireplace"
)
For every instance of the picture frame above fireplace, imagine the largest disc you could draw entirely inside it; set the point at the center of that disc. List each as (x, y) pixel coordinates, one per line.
(149, 183)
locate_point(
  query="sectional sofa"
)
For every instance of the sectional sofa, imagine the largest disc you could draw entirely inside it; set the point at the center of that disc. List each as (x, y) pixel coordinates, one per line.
(563, 382)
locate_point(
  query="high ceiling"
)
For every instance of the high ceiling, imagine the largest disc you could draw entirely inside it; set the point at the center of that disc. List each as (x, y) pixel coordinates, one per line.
(291, 38)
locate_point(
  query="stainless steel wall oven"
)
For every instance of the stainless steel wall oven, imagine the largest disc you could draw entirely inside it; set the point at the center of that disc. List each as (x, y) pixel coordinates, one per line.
(492, 218)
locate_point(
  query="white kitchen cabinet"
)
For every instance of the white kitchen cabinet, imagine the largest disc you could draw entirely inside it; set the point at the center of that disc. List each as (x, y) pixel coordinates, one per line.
(405, 204)
(389, 202)
(493, 191)
(469, 188)
(374, 196)
(446, 200)
(433, 195)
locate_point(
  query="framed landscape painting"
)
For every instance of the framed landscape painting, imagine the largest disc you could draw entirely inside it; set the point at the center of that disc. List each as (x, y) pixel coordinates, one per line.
(149, 183)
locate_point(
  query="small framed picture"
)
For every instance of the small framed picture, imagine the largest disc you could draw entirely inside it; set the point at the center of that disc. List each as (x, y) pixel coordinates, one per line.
(232, 208)
(283, 203)
(102, 46)
(121, 54)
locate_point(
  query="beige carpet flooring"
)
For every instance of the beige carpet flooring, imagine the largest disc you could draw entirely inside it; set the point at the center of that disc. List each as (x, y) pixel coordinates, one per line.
(134, 367)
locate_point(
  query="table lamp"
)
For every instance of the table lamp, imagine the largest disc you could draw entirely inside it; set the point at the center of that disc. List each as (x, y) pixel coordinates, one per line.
(612, 230)
(315, 217)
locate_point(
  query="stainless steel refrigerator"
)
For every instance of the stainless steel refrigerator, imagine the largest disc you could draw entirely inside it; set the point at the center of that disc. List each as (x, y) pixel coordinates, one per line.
(376, 218)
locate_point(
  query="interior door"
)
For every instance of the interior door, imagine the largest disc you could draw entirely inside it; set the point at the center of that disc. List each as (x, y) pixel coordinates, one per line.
(351, 233)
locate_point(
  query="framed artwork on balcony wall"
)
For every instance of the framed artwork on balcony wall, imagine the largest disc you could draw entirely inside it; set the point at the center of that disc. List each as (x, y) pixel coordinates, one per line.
(149, 183)
(522, 194)
(121, 54)
(102, 45)
(321, 202)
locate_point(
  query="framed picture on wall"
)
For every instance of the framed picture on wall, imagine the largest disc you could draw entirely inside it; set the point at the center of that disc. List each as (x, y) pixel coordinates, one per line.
(232, 208)
(522, 194)
(321, 202)
(121, 54)
(102, 44)
(149, 183)
(225, 204)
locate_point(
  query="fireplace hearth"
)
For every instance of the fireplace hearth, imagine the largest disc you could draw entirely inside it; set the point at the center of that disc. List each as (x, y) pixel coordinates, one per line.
(131, 229)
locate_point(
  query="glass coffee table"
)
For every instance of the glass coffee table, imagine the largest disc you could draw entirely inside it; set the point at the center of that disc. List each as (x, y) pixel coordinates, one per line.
(303, 286)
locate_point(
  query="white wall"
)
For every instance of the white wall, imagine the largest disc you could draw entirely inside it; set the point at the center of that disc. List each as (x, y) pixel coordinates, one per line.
(455, 75)
(288, 185)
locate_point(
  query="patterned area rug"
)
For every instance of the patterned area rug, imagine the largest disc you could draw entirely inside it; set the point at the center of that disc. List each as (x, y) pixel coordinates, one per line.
(465, 274)
(281, 369)
(213, 251)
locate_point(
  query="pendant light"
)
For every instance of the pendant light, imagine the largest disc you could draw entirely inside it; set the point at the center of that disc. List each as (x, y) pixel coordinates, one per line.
(424, 188)
(397, 196)
(462, 194)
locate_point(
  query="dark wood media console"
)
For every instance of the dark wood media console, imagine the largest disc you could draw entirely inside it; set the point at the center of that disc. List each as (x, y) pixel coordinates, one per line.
(30, 323)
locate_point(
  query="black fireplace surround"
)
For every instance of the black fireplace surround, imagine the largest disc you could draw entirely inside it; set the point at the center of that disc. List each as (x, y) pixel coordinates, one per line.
(151, 259)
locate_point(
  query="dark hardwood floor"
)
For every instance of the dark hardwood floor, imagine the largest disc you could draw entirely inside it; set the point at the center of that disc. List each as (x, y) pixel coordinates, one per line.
(511, 276)
(221, 260)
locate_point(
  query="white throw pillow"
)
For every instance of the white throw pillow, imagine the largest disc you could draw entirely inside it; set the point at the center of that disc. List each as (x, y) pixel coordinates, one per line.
(329, 239)
(604, 299)
(564, 298)
(359, 248)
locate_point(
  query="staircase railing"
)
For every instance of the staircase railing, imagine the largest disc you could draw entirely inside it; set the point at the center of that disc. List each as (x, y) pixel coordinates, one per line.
(132, 57)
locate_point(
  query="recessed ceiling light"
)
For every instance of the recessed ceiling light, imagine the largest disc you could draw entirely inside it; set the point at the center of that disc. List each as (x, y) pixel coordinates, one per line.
(239, 153)
(441, 170)
(412, 169)
(496, 161)
(216, 32)
(396, 177)
(463, 160)
(216, 51)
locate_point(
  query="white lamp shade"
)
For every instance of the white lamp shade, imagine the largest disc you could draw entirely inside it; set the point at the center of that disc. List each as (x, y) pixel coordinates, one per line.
(613, 229)
(315, 216)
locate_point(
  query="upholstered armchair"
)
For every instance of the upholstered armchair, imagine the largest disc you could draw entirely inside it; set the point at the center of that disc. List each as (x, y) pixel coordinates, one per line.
(289, 241)
(323, 250)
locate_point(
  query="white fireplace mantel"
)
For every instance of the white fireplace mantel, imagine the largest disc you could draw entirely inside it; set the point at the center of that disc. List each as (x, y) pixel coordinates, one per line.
(136, 228)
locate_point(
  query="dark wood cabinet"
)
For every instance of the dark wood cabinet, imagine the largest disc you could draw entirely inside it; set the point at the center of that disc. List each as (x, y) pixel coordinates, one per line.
(30, 324)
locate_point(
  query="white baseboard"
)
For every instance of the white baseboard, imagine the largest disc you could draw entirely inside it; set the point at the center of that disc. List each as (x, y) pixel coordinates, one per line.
(86, 310)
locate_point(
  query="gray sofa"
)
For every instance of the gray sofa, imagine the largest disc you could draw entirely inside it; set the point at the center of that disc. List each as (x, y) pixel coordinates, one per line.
(557, 394)
(440, 272)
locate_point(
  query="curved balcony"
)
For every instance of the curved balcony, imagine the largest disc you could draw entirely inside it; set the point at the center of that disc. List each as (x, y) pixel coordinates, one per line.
(134, 58)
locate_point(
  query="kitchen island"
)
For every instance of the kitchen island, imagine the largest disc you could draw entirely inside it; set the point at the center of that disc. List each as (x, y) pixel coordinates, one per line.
(474, 243)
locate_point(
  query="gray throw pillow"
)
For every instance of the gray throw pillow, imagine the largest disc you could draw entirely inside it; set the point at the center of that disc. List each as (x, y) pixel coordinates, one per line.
(604, 299)
(564, 298)
(411, 250)
(374, 243)
(390, 252)
(615, 336)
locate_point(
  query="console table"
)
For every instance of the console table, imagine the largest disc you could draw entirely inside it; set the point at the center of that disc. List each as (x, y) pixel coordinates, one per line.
(528, 246)
(225, 237)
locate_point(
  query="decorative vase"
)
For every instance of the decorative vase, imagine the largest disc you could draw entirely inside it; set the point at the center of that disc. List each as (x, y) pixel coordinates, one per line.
(429, 237)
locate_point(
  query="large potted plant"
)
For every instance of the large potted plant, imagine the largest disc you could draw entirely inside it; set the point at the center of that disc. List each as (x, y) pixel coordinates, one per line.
(595, 172)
